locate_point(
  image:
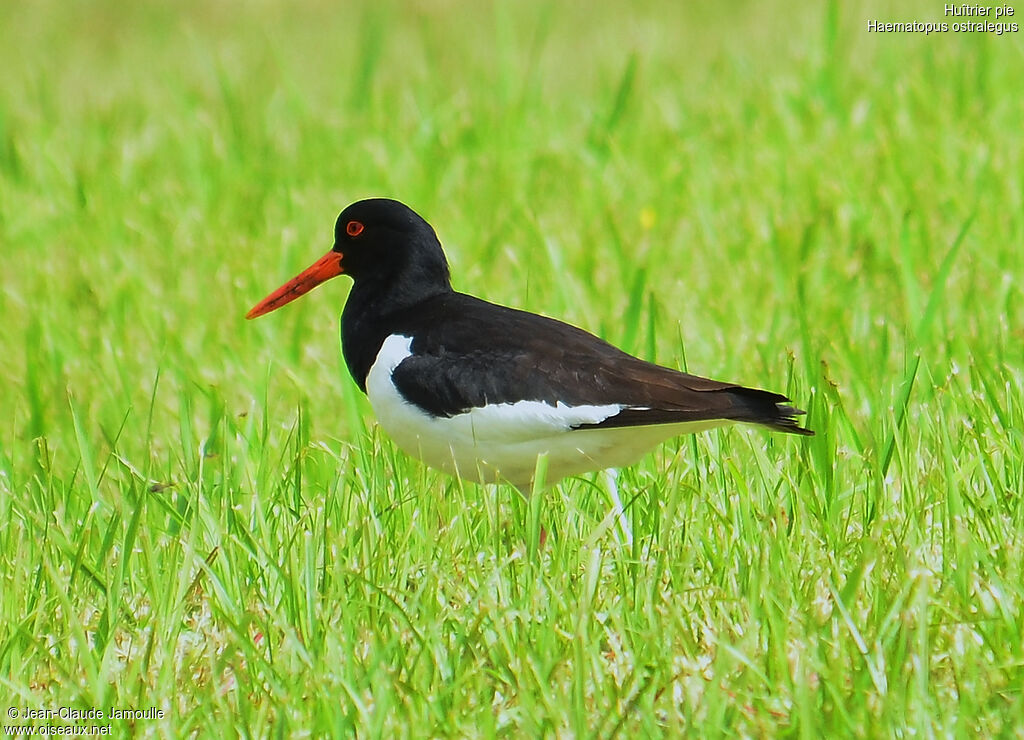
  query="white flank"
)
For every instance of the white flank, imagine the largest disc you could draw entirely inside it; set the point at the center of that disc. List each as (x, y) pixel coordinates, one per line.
(501, 442)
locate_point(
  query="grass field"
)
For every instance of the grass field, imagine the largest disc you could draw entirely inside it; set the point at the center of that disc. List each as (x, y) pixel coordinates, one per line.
(199, 516)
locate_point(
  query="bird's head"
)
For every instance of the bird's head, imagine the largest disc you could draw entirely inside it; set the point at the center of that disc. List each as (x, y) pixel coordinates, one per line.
(376, 241)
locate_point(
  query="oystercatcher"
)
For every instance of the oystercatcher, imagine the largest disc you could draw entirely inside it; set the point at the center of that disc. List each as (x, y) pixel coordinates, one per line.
(480, 390)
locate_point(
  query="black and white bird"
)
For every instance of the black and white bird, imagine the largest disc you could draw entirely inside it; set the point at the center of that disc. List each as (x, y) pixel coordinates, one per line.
(480, 390)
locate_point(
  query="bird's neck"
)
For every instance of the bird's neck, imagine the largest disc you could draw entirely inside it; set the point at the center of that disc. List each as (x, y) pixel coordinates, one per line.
(376, 305)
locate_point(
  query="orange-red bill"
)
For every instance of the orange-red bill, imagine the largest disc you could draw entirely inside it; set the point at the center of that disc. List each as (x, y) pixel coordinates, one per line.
(323, 269)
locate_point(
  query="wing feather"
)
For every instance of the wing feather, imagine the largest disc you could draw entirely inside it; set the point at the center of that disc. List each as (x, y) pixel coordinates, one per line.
(533, 358)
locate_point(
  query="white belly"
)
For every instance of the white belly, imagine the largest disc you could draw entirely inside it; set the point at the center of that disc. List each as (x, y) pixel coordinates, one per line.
(501, 442)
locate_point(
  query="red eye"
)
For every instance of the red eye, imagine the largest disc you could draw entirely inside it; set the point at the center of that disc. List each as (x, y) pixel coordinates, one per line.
(354, 228)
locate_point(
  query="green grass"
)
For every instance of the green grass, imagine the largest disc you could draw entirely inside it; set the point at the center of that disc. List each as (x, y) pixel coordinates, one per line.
(199, 514)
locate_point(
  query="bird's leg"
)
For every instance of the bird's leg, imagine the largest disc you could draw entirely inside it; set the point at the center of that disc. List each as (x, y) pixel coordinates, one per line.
(536, 533)
(540, 472)
(611, 476)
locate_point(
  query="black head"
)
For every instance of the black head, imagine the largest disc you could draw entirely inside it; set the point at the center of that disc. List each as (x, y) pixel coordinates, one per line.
(384, 246)
(379, 237)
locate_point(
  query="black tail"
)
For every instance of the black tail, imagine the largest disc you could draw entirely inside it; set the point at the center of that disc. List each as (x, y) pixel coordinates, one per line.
(767, 409)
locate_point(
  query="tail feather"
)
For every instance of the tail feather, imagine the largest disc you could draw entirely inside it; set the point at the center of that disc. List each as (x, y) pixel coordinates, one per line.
(732, 403)
(767, 409)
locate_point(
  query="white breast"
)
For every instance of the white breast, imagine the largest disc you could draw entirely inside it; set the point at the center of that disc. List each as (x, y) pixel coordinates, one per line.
(502, 441)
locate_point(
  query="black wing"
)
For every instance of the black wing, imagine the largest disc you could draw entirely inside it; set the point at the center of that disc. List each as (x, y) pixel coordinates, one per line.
(469, 353)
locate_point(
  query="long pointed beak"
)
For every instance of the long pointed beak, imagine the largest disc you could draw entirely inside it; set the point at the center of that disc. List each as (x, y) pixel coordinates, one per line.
(323, 269)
